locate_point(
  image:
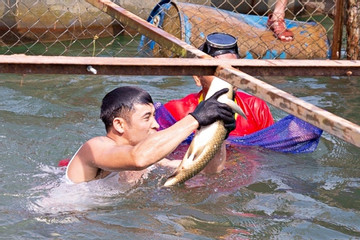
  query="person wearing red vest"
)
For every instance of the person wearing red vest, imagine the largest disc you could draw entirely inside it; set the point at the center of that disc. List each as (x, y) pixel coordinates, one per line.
(224, 46)
(258, 115)
(257, 112)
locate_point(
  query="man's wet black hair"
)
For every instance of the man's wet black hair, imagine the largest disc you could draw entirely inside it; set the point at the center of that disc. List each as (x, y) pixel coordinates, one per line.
(120, 102)
(218, 43)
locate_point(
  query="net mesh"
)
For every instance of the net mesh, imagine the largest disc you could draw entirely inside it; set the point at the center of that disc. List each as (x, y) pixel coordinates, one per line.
(77, 28)
(288, 135)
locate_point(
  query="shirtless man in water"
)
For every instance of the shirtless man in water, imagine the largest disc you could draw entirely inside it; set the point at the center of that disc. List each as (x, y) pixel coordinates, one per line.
(133, 142)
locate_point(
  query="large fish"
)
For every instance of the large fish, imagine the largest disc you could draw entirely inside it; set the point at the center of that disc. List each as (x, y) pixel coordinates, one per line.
(207, 140)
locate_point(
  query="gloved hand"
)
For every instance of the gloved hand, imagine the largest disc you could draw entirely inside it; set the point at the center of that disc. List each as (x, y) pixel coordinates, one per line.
(211, 110)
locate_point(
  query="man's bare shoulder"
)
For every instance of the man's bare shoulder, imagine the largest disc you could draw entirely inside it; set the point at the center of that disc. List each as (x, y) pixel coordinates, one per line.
(97, 145)
(100, 141)
(84, 167)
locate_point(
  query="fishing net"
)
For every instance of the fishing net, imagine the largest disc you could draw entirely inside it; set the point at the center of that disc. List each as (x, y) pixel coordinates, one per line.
(288, 135)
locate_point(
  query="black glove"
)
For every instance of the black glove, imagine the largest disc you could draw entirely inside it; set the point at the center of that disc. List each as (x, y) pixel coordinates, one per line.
(229, 127)
(211, 110)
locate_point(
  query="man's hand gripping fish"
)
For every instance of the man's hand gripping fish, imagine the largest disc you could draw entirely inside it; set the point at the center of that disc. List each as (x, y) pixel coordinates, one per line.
(207, 141)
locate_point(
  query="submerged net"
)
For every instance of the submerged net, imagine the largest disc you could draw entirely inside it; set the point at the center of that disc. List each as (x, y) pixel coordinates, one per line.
(288, 135)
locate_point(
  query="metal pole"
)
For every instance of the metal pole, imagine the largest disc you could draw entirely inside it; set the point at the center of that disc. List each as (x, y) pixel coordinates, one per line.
(353, 29)
(22, 64)
(337, 32)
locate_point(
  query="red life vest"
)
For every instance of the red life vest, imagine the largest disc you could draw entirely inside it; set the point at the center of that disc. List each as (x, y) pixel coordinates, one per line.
(256, 110)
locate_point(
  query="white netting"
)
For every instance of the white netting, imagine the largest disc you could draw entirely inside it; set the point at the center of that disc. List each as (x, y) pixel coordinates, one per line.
(76, 28)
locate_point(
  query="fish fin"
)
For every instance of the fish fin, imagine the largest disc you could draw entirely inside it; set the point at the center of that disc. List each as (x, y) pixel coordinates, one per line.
(188, 157)
(196, 147)
(235, 107)
(171, 181)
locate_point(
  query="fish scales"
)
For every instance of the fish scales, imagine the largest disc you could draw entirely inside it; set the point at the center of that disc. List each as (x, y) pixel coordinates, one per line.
(207, 141)
(184, 173)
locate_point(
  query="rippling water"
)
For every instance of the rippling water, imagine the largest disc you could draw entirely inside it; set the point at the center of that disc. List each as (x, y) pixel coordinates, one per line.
(261, 194)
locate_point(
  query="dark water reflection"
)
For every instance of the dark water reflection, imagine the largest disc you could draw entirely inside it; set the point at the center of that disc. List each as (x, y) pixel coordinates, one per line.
(260, 195)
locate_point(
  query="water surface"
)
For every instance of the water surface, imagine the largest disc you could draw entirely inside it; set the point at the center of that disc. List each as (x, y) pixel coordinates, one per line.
(261, 194)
